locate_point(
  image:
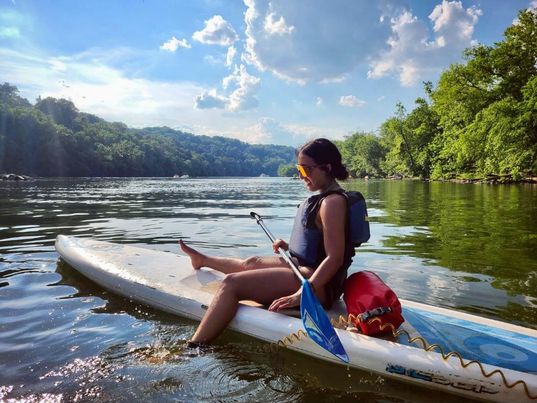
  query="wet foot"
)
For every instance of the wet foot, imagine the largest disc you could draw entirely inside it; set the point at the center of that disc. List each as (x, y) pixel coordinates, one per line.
(196, 258)
(195, 344)
(192, 349)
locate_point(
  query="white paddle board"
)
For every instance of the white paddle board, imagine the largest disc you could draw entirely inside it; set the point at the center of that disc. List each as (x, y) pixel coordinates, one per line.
(506, 370)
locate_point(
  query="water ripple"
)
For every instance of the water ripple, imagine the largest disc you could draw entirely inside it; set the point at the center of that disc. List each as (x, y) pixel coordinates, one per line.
(64, 338)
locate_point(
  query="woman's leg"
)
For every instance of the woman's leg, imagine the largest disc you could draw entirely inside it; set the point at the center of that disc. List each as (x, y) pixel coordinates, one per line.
(229, 265)
(262, 286)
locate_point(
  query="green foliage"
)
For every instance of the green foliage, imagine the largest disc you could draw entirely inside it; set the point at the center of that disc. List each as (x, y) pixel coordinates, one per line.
(481, 119)
(61, 111)
(410, 140)
(9, 96)
(288, 170)
(53, 138)
(362, 154)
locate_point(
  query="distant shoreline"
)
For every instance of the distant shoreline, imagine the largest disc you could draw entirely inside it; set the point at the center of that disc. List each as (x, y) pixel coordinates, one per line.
(491, 180)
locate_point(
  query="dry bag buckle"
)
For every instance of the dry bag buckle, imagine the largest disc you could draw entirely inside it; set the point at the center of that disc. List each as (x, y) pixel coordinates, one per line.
(365, 316)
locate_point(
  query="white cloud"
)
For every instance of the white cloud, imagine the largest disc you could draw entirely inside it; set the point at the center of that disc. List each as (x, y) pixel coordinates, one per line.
(57, 65)
(173, 44)
(453, 20)
(217, 31)
(230, 56)
(210, 99)
(244, 87)
(412, 56)
(351, 101)
(381, 98)
(318, 101)
(97, 88)
(214, 60)
(313, 40)
(239, 93)
(533, 5)
(222, 59)
(276, 27)
(14, 23)
(270, 131)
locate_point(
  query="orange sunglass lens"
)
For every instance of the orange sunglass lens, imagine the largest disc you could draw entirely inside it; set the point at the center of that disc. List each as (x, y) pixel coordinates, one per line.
(302, 170)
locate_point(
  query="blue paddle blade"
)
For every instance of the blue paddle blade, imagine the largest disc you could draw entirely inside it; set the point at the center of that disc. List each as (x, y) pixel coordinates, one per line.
(318, 325)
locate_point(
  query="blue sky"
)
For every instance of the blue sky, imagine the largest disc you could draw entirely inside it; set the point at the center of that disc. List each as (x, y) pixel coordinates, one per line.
(277, 72)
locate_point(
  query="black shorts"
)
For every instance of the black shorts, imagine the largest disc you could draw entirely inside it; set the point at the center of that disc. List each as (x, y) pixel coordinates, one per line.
(334, 288)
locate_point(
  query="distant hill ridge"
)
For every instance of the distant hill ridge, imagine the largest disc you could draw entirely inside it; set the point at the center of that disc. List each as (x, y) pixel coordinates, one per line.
(53, 138)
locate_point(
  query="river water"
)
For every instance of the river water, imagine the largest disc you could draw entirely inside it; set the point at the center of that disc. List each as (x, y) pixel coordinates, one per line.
(62, 338)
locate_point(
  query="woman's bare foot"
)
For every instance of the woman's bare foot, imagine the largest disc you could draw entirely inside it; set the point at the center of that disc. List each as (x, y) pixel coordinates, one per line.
(197, 259)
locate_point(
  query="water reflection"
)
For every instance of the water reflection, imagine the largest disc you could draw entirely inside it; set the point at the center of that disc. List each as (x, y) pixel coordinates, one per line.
(471, 247)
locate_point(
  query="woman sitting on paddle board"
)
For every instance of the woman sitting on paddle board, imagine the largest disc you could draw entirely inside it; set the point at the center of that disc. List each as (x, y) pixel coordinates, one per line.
(320, 247)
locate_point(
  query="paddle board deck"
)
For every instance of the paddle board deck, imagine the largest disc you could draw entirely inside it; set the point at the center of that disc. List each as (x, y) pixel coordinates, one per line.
(506, 355)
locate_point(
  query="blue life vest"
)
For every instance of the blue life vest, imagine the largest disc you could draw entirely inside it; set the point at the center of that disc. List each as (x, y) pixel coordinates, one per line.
(306, 239)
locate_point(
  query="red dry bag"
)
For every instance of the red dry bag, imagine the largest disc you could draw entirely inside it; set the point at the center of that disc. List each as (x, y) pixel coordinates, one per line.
(373, 303)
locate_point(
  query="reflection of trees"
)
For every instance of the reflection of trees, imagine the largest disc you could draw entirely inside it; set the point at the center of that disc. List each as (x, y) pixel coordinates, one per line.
(482, 229)
(114, 208)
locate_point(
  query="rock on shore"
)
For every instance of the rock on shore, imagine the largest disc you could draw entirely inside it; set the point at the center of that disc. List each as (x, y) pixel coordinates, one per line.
(14, 177)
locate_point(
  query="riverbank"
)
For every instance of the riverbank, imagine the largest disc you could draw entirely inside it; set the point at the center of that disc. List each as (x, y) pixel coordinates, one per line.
(495, 179)
(489, 179)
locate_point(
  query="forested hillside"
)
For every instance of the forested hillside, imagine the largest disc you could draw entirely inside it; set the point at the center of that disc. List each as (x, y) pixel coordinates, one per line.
(52, 138)
(479, 120)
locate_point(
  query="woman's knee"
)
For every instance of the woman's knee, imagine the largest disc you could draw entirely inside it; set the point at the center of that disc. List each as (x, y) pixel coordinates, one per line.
(236, 285)
(229, 283)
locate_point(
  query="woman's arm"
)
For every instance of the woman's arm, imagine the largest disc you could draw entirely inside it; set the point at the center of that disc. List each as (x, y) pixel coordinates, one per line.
(333, 215)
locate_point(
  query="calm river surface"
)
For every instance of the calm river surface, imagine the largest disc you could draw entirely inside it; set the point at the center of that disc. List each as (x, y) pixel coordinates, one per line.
(464, 246)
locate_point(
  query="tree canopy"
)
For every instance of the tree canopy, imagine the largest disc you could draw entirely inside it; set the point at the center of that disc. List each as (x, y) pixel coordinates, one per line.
(479, 120)
(53, 138)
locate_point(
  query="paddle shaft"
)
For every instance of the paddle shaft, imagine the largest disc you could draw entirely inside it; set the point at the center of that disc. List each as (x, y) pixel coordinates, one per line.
(314, 318)
(283, 253)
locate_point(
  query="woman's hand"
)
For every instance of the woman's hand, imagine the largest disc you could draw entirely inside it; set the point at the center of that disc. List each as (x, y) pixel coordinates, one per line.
(290, 301)
(280, 243)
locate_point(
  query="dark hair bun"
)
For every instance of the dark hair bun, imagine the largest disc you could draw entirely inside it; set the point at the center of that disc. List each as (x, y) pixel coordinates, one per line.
(340, 171)
(323, 151)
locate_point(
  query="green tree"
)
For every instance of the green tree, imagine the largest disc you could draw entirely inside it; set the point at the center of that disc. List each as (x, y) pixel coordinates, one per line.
(288, 170)
(54, 138)
(485, 110)
(9, 96)
(394, 133)
(362, 154)
(61, 111)
(422, 132)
